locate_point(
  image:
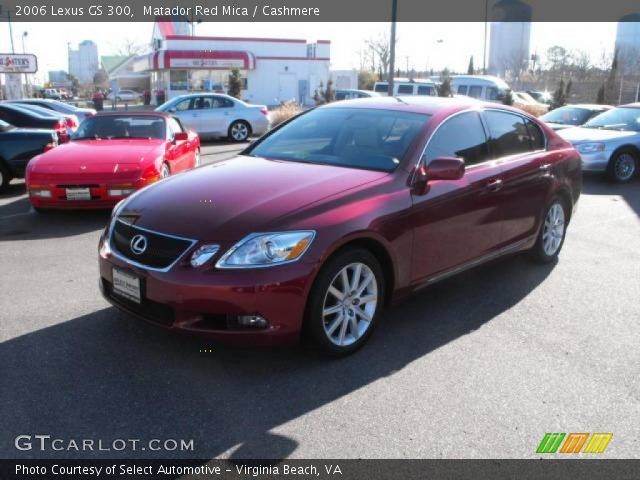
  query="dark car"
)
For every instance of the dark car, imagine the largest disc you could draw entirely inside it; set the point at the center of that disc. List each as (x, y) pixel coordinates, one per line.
(20, 116)
(17, 147)
(318, 225)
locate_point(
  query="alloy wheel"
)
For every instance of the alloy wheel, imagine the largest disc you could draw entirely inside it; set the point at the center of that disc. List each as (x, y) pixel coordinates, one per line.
(197, 161)
(165, 171)
(239, 131)
(350, 304)
(624, 167)
(553, 230)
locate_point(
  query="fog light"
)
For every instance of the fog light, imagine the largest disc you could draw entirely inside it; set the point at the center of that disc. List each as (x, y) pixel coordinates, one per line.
(253, 321)
(120, 192)
(41, 193)
(203, 254)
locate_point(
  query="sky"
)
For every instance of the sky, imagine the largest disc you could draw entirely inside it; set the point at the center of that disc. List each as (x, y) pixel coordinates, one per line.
(421, 45)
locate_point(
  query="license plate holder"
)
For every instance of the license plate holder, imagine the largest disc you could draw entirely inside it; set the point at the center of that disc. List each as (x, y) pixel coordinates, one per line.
(78, 193)
(127, 285)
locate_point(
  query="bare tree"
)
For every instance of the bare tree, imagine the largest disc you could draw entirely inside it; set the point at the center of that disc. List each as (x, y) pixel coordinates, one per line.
(380, 48)
(558, 58)
(128, 47)
(581, 63)
(514, 62)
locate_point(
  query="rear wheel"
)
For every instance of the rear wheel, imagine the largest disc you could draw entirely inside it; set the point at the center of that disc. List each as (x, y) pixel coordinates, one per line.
(552, 233)
(623, 166)
(239, 131)
(165, 171)
(345, 302)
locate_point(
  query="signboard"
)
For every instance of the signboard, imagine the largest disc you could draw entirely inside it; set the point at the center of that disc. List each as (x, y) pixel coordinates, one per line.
(221, 63)
(18, 63)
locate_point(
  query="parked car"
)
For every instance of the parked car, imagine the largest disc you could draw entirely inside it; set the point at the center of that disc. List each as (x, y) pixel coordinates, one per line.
(610, 142)
(482, 87)
(51, 93)
(350, 94)
(124, 96)
(541, 96)
(60, 107)
(408, 87)
(319, 224)
(19, 116)
(70, 121)
(572, 115)
(526, 102)
(110, 157)
(217, 115)
(18, 146)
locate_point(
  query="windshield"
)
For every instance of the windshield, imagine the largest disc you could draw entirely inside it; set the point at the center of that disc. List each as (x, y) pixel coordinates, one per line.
(624, 118)
(347, 137)
(121, 126)
(567, 116)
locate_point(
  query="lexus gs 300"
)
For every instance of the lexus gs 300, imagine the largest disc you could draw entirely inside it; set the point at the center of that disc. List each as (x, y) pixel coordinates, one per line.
(318, 225)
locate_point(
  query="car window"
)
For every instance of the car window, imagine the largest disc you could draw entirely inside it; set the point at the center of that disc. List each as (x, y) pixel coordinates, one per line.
(536, 137)
(508, 133)
(492, 93)
(475, 91)
(425, 90)
(462, 89)
(174, 127)
(202, 103)
(621, 118)
(461, 136)
(348, 137)
(220, 102)
(404, 89)
(381, 87)
(341, 95)
(183, 105)
(567, 116)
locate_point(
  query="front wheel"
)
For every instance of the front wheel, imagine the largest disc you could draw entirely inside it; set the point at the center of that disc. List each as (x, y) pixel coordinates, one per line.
(239, 131)
(552, 233)
(165, 171)
(197, 159)
(345, 302)
(623, 166)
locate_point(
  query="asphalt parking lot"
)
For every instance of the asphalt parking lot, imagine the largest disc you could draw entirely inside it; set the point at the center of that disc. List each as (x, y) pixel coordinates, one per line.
(478, 366)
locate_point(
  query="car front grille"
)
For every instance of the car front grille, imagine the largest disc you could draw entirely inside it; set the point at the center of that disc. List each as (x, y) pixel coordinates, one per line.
(161, 252)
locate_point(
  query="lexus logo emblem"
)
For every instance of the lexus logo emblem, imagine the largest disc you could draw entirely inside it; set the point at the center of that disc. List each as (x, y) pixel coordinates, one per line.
(138, 244)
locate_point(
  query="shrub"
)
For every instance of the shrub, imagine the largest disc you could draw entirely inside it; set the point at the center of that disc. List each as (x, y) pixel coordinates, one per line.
(284, 112)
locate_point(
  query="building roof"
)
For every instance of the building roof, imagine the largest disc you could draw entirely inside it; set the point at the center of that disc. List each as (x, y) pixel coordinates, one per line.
(111, 62)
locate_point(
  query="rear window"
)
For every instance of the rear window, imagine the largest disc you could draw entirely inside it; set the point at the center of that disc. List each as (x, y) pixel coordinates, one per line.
(425, 90)
(509, 134)
(381, 87)
(475, 91)
(121, 126)
(348, 137)
(405, 89)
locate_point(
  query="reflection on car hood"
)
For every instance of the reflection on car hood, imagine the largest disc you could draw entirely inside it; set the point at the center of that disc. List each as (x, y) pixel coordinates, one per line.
(582, 135)
(230, 199)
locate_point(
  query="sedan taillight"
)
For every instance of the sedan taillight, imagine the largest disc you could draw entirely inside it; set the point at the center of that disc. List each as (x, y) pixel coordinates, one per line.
(71, 122)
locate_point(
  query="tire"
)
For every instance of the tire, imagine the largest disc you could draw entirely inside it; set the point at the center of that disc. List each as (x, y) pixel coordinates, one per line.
(198, 159)
(239, 131)
(333, 332)
(623, 166)
(5, 177)
(552, 232)
(166, 171)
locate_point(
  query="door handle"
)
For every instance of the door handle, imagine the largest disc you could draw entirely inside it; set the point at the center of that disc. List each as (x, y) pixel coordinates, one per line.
(494, 185)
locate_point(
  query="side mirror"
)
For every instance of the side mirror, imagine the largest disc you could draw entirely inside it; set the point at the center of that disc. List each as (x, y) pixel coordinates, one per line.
(180, 137)
(445, 168)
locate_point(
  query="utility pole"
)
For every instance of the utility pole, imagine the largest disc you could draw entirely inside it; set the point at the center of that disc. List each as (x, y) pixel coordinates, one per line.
(13, 48)
(486, 21)
(392, 47)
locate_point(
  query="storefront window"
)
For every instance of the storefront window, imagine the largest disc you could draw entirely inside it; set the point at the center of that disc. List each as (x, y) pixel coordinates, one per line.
(178, 80)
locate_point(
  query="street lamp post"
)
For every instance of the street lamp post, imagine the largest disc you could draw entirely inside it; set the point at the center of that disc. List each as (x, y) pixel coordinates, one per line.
(26, 76)
(392, 46)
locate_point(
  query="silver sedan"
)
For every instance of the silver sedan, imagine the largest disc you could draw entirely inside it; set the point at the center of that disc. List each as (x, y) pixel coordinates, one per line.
(218, 116)
(609, 142)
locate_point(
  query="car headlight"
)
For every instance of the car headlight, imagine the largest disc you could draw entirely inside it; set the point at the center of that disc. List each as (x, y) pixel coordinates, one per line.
(267, 249)
(590, 147)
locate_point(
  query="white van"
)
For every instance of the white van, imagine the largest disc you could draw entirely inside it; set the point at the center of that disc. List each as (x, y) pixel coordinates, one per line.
(403, 86)
(482, 87)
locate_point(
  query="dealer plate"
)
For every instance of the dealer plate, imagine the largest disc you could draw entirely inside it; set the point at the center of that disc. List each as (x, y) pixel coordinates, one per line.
(126, 285)
(78, 193)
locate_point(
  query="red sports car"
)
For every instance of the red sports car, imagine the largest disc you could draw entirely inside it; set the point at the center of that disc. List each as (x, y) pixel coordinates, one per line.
(320, 223)
(109, 157)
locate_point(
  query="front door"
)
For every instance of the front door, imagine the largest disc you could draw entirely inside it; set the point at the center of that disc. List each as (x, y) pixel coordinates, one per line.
(457, 221)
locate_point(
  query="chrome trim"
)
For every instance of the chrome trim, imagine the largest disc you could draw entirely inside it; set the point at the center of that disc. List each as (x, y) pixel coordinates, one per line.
(473, 263)
(228, 253)
(121, 257)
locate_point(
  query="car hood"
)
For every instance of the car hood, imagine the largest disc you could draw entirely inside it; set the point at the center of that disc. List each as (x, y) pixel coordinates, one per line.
(98, 155)
(228, 200)
(581, 135)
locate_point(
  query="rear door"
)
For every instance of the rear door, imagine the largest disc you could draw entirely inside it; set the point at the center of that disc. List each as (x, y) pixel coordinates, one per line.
(457, 221)
(518, 144)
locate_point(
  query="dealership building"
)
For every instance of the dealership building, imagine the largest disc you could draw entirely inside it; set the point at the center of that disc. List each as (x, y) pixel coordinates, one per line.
(273, 70)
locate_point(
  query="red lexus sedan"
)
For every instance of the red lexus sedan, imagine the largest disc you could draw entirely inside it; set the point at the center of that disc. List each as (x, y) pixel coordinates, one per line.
(318, 225)
(109, 157)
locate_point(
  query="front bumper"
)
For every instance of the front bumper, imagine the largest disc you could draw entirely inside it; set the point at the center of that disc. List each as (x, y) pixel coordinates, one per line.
(204, 301)
(595, 162)
(100, 198)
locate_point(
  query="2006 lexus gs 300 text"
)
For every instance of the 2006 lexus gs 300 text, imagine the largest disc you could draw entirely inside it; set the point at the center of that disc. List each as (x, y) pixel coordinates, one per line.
(318, 225)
